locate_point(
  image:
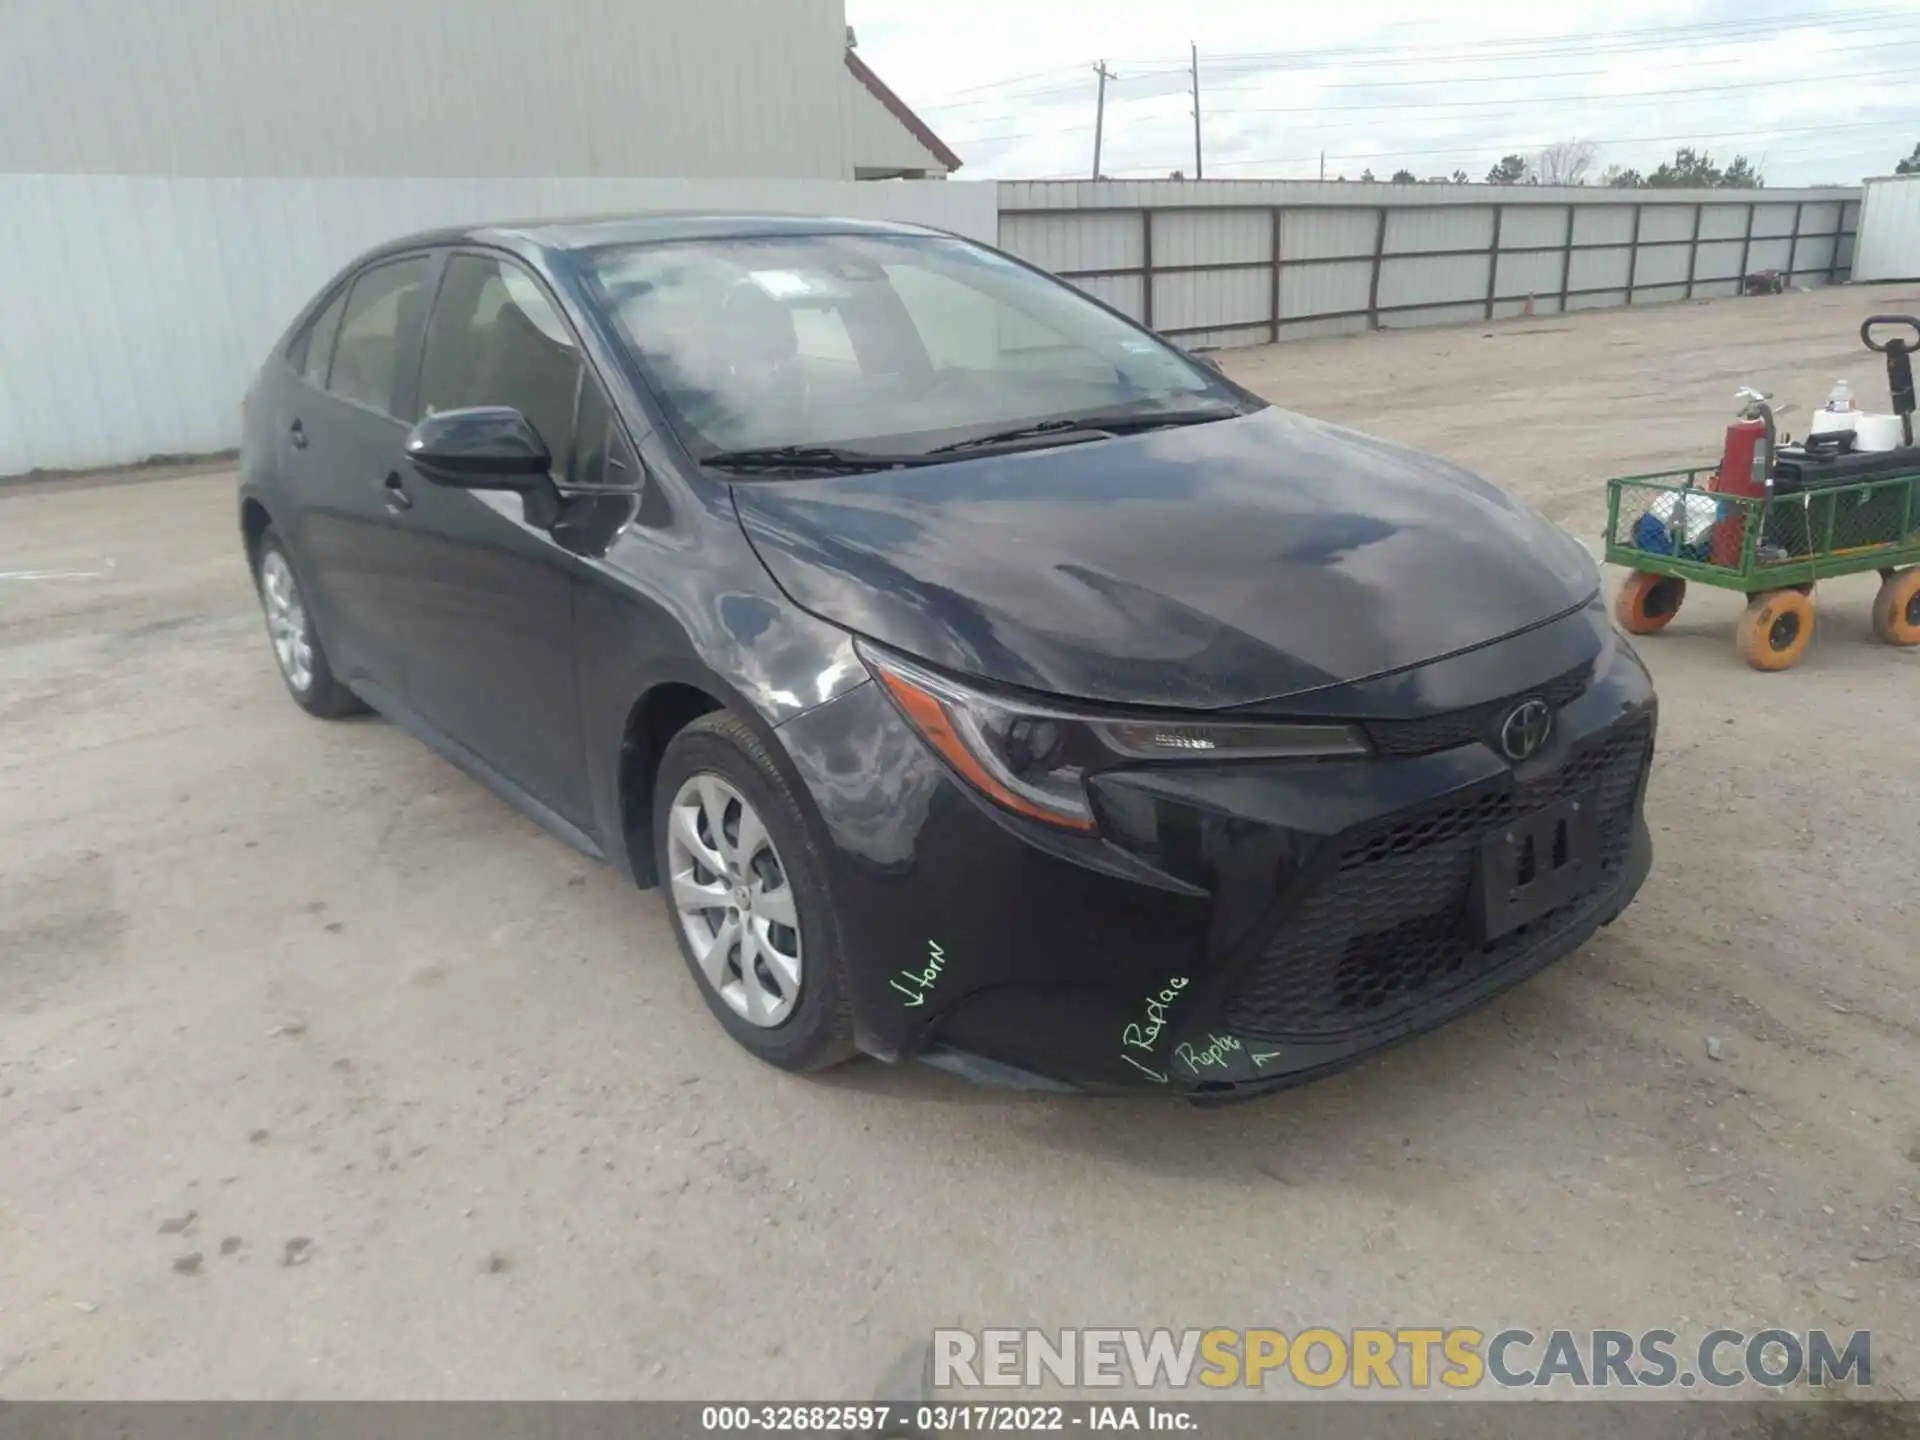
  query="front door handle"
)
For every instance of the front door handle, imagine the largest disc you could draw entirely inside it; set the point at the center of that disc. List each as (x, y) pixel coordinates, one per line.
(397, 497)
(297, 435)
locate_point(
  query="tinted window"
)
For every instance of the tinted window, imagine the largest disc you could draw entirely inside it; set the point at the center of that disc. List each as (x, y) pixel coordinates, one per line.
(884, 342)
(495, 339)
(313, 351)
(382, 312)
(602, 457)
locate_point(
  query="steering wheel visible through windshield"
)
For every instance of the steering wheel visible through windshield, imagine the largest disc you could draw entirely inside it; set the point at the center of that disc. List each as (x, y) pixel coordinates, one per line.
(883, 344)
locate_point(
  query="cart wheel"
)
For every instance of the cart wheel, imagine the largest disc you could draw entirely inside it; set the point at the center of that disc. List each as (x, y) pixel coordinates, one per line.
(1648, 601)
(1896, 609)
(1775, 629)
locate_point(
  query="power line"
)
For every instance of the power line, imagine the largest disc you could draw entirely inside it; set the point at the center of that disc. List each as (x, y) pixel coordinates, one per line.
(1518, 101)
(1689, 65)
(1596, 42)
(1521, 106)
(1453, 81)
(1636, 97)
(1584, 42)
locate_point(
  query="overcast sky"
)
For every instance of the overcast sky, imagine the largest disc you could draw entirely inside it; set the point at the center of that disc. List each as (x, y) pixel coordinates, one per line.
(1811, 92)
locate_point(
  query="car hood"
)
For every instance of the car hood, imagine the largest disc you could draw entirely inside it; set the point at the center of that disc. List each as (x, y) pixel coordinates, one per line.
(1206, 566)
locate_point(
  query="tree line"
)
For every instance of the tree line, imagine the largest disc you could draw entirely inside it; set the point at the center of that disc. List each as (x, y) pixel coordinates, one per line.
(1570, 162)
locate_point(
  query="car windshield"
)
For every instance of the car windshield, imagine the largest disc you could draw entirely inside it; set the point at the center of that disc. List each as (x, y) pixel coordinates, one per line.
(889, 344)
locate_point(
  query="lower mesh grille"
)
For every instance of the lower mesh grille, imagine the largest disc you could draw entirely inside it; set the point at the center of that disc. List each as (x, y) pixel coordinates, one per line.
(1387, 929)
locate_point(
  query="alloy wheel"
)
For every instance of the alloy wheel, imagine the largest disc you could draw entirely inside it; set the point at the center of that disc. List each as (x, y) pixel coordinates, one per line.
(733, 901)
(286, 621)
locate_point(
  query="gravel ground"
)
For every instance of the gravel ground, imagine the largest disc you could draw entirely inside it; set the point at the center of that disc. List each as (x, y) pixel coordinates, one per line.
(324, 1074)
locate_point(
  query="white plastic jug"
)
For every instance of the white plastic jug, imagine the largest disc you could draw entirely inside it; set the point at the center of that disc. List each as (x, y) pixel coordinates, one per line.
(1877, 432)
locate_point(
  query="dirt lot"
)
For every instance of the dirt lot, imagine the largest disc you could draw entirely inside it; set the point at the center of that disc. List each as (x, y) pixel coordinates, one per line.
(434, 1103)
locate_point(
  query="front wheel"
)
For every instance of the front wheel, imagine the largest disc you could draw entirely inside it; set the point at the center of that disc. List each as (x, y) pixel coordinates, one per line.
(1646, 602)
(747, 893)
(1775, 630)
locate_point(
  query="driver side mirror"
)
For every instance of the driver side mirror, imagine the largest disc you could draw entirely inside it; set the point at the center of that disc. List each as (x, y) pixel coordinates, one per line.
(485, 447)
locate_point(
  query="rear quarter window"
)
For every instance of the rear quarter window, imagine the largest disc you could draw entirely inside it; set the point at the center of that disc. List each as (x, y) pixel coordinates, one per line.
(312, 349)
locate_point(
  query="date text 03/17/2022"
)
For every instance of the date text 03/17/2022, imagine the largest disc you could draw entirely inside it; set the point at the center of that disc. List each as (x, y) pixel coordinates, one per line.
(942, 1419)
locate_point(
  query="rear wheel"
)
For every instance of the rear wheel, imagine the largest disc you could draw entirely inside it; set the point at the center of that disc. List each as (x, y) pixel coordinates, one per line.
(296, 644)
(747, 894)
(1775, 630)
(1646, 602)
(1896, 608)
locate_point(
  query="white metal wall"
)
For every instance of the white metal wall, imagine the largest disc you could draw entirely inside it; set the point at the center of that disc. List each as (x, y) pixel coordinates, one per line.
(1244, 262)
(876, 140)
(721, 88)
(135, 310)
(1890, 230)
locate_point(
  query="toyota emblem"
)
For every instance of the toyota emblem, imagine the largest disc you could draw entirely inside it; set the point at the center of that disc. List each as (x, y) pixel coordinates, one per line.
(1526, 729)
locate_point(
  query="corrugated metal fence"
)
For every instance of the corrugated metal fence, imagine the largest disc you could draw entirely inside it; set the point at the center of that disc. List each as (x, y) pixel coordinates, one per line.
(1244, 263)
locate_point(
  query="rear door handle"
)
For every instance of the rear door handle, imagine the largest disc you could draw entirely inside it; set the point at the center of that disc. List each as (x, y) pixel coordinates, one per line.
(297, 435)
(397, 497)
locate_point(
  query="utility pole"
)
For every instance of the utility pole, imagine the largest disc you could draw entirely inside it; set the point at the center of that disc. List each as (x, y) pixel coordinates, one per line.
(1323, 164)
(1194, 51)
(1100, 112)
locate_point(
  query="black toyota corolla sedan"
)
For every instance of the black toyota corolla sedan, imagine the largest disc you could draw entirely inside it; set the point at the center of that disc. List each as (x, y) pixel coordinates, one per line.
(981, 677)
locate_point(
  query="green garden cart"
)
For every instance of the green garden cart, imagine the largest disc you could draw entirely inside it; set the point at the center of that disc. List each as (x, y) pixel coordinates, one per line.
(1772, 521)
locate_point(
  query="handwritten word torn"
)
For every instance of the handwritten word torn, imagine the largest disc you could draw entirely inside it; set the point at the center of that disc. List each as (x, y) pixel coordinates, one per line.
(919, 983)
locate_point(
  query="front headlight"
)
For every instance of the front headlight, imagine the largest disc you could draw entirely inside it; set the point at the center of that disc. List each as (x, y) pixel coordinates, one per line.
(1034, 758)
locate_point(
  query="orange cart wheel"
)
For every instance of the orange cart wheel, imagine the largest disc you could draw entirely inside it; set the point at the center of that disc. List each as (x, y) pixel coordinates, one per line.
(1896, 609)
(1648, 601)
(1775, 629)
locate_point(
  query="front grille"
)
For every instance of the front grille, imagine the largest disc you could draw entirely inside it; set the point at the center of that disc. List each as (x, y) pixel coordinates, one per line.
(1476, 722)
(1387, 927)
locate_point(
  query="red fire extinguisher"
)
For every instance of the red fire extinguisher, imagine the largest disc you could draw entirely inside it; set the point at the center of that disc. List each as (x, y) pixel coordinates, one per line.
(1746, 464)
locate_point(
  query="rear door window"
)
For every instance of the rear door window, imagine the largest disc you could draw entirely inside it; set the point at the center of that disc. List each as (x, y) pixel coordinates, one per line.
(371, 358)
(496, 339)
(313, 351)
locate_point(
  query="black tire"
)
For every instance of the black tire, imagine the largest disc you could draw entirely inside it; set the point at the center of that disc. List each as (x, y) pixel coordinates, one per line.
(323, 696)
(818, 1033)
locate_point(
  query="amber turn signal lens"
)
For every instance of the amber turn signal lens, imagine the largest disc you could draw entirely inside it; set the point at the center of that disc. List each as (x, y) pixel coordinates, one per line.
(930, 717)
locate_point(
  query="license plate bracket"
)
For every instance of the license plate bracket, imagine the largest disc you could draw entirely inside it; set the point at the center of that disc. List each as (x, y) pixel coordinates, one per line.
(1533, 864)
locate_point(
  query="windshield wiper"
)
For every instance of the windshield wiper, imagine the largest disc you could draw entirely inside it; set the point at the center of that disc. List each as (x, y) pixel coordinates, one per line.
(809, 457)
(1119, 422)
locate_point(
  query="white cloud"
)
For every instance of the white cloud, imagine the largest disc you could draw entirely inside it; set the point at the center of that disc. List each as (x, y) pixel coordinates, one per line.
(1808, 91)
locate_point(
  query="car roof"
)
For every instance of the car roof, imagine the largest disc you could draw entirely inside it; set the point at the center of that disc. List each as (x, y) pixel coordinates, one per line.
(589, 232)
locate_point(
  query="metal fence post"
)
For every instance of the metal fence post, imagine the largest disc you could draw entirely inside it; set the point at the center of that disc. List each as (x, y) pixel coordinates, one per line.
(1566, 260)
(1693, 249)
(1493, 257)
(1746, 249)
(1793, 245)
(1633, 251)
(1373, 288)
(1146, 267)
(1273, 317)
